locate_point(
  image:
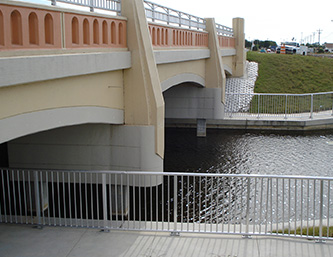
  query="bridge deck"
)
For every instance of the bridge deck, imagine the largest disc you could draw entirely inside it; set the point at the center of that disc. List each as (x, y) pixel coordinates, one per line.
(26, 241)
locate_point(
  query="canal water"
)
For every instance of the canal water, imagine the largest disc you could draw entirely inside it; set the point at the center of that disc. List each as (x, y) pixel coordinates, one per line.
(264, 153)
(240, 152)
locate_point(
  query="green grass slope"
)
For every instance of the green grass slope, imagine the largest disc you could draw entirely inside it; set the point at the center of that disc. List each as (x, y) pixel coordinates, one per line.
(295, 74)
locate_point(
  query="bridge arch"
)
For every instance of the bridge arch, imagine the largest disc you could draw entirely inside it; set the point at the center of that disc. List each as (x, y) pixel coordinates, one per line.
(182, 78)
(44, 120)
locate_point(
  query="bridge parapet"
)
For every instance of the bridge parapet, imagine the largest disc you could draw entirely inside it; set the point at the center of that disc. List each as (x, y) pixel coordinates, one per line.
(166, 36)
(38, 27)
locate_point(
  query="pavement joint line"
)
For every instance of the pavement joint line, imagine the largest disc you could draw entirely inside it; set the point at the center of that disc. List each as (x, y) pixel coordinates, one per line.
(77, 242)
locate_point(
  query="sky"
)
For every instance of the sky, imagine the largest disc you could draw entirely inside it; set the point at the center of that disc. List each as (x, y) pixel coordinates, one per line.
(298, 20)
(267, 20)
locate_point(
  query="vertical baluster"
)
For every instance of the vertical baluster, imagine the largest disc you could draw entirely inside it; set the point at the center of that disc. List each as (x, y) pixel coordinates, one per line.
(14, 195)
(19, 195)
(37, 200)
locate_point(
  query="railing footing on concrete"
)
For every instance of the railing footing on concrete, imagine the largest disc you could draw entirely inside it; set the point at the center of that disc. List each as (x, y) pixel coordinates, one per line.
(105, 230)
(38, 227)
(175, 233)
(246, 237)
(320, 241)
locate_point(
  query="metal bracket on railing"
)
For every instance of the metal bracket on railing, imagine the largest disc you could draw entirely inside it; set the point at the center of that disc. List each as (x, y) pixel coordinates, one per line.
(175, 233)
(246, 237)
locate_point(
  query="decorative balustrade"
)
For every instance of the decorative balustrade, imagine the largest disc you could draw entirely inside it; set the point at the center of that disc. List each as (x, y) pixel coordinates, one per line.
(163, 36)
(38, 28)
(23, 27)
(226, 42)
(84, 31)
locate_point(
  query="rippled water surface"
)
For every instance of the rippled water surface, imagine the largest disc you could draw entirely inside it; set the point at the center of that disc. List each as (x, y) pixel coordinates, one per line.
(245, 153)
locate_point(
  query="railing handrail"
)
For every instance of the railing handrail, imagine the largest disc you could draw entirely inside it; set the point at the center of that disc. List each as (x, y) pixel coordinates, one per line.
(260, 205)
(109, 5)
(155, 173)
(281, 94)
(171, 16)
(224, 30)
(279, 104)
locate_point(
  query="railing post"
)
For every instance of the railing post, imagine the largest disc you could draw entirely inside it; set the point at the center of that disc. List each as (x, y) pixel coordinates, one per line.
(168, 19)
(175, 204)
(321, 212)
(311, 111)
(286, 107)
(332, 104)
(258, 106)
(104, 196)
(37, 200)
(153, 13)
(92, 5)
(247, 209)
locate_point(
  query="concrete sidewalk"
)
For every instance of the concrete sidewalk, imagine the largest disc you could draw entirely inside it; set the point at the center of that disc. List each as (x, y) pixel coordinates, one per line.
(24, 241)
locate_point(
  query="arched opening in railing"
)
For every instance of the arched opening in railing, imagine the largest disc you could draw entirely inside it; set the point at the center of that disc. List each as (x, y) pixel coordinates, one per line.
(2, 33)
(33, 29)
(153, 36)
(96, 32)
(166, 38)
(113, 33)
(121, 34)
(75, 31)
(16, 28)
(105, 32)
(86, 32)
(174, 34)
(158, 36)
(48, 29)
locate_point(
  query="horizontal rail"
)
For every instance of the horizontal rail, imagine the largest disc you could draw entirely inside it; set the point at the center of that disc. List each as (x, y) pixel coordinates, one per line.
(286, 206)
(224, 31)
(160, 13)
(109, 5)
(284, 105)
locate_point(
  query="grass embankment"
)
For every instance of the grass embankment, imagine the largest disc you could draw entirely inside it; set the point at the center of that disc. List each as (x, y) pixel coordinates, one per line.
(294, 74)
(310, 231)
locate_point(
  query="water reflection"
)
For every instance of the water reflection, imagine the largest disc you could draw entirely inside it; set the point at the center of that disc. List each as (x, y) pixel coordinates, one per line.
(236, 152)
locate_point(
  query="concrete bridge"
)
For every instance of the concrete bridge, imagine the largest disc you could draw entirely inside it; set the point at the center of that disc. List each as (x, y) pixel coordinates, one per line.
(92, 90)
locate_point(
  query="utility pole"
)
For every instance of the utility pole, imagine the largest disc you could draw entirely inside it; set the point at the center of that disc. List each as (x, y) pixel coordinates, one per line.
(319, 32)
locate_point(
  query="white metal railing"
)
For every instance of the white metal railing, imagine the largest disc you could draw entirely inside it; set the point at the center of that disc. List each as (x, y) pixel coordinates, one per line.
(224, 31)
(279, 105)
(290, 206)
(109, 5)
(160, 13)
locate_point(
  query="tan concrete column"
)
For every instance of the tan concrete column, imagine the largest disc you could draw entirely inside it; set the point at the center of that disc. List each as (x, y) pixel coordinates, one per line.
(144, 104)
(215, 75)
(240, 58)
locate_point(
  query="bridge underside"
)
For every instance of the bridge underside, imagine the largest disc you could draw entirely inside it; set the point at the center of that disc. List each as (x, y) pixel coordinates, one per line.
(85, 147)
(192, 101)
